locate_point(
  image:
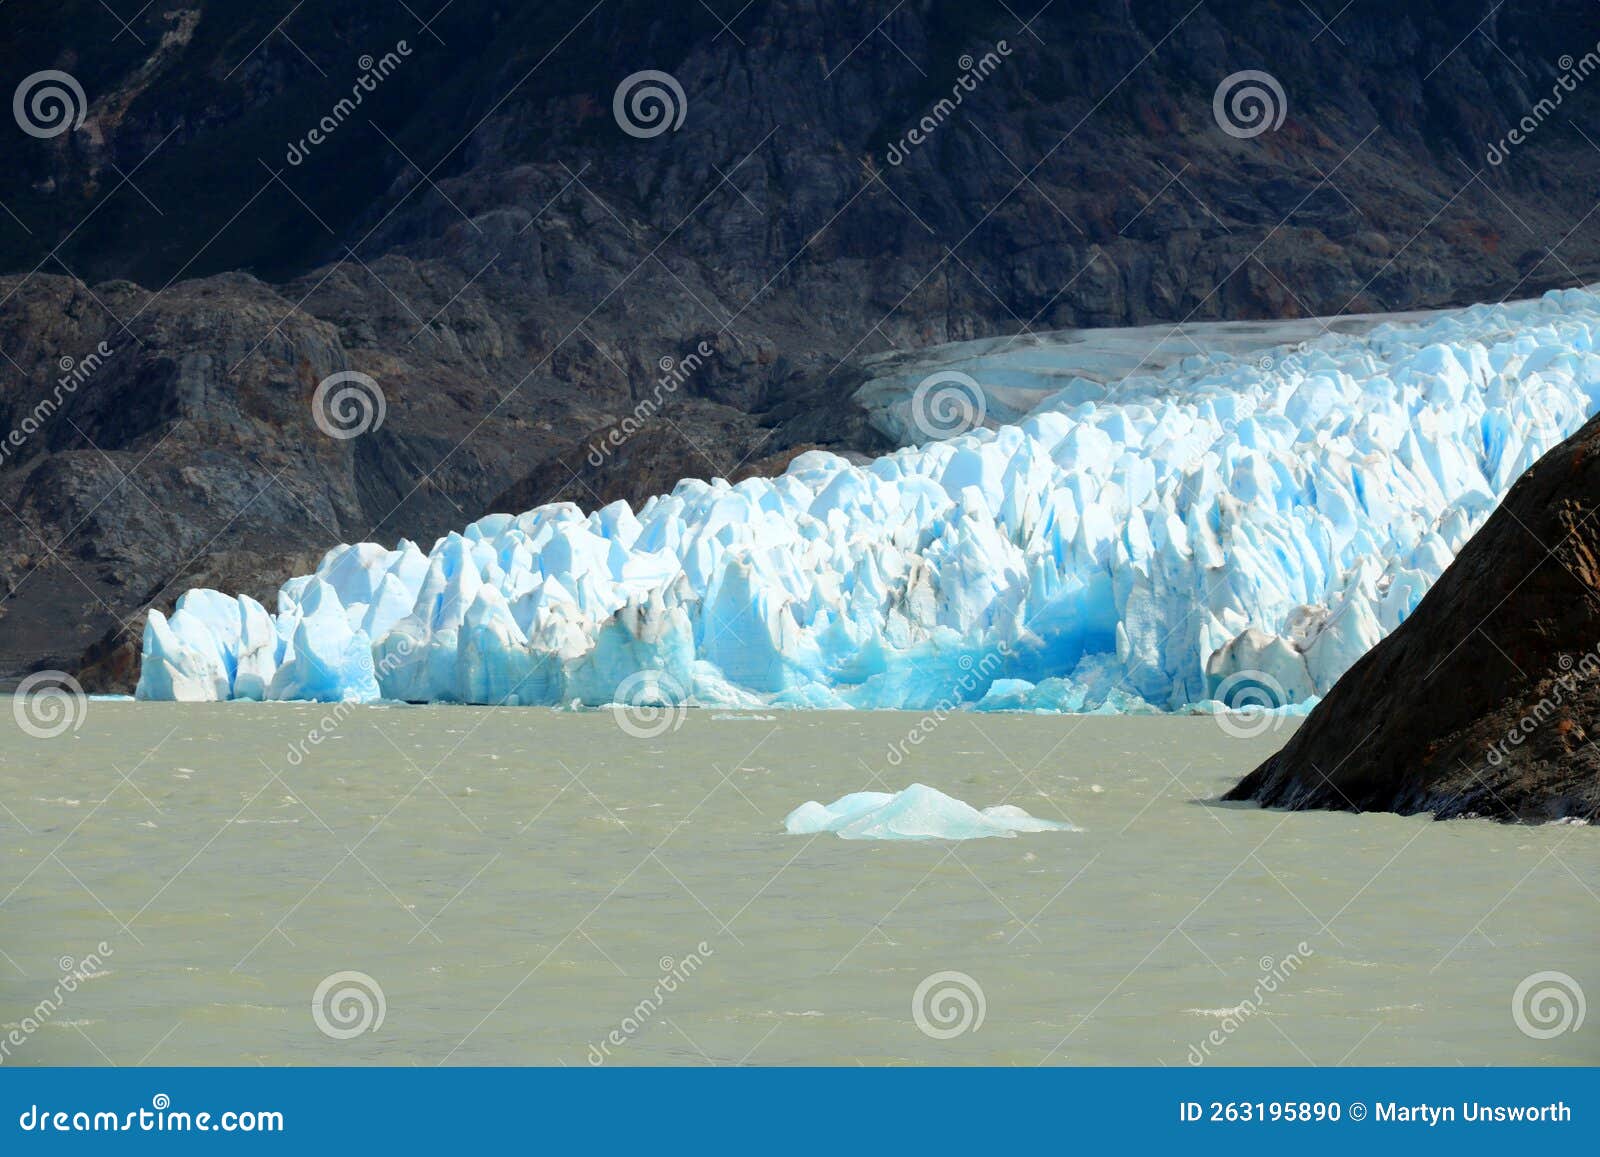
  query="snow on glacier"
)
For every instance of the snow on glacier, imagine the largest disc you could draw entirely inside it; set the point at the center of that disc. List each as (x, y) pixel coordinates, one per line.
(1225, 526)
(917, 813)
(1017, 374)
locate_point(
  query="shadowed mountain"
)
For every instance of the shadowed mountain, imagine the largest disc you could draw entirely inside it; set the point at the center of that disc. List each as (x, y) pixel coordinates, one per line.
(451, 206)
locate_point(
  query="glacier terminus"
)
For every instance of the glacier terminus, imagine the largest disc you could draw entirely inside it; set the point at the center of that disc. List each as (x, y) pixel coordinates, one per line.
(1226, 527)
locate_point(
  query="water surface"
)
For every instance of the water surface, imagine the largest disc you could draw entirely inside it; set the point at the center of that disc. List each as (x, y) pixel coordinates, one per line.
(520, 883)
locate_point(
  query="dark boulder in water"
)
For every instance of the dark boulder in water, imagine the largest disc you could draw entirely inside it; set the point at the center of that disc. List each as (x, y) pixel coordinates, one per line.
(1480, 703)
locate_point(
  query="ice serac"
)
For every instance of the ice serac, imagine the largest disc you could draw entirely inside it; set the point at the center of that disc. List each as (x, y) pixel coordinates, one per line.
(917, 813)
(1227, 530)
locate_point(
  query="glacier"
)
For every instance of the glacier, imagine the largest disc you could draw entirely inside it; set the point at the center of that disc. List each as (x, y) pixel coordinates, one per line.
(1229, 528)
(1018, 374)
(919, 812)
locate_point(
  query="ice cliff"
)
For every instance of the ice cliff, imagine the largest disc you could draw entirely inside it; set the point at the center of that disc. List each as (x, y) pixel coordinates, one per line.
(1228, 527)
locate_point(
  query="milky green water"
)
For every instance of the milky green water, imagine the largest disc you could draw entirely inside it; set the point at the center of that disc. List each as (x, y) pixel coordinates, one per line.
(528, 887)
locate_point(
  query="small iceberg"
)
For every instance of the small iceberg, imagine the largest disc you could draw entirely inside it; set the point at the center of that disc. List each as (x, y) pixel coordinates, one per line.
(917, 813)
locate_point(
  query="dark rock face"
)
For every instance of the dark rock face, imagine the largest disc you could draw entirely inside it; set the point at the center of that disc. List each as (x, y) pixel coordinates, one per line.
(481, 238)
(1481, 703)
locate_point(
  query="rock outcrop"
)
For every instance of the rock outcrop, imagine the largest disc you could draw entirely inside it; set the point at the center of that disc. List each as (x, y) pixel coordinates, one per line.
(1486, 701)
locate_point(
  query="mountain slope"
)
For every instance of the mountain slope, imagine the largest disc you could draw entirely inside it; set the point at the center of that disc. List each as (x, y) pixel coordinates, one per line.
(483, 239)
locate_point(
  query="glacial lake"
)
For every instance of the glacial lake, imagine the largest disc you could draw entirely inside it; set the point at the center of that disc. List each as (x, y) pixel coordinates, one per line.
(533, 887)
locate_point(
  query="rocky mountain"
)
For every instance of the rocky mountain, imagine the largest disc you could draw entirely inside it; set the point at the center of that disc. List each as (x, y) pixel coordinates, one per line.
(469, 209)
(1480, 703)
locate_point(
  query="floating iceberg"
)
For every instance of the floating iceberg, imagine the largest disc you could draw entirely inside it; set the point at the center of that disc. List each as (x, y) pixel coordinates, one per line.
(917, 813)
(1230, 528)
